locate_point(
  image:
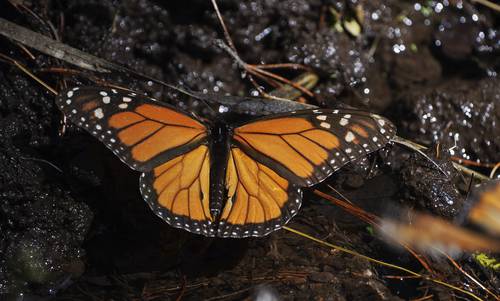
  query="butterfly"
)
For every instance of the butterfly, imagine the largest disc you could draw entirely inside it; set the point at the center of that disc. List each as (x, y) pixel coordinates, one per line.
(217, 178)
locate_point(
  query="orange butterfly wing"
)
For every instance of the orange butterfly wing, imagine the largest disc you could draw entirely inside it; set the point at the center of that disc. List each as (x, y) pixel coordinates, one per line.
(149, 136)
(307, 146)
(141, 131)
(259, 200)
(178, 191)
(274, 156)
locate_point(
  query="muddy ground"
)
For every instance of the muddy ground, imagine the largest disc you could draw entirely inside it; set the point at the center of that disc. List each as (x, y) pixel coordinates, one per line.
(73, 225)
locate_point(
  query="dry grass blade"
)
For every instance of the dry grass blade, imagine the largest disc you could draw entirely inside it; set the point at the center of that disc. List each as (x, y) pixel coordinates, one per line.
(307, 80)
(477, 282)
(488, 4)
(354, 253)
(28, 72)
(459, 236)
(473, 163)
(494, 170)
(372, 220)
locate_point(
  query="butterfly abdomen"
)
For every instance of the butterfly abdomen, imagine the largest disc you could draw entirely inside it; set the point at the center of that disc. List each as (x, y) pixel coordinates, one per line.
(219, 151)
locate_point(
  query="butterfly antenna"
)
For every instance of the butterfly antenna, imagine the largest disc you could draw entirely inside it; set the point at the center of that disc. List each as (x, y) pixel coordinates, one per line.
(206, 104)
(183, 90)
(200, 96)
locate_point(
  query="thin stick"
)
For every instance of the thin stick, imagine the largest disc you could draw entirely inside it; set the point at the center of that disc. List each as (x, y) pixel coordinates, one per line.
(467, 274)
(472, 163)
(373, 220)
(26, 50)
(307, 80)
(255, 69)
(283, 80)
(224, 28)
(351, 252)
(494, 170)
(470, 172)
(285, 66)
(54, 48)
(25, 70)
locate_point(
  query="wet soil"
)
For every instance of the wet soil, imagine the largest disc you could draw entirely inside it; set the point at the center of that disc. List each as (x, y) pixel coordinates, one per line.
(73, 225)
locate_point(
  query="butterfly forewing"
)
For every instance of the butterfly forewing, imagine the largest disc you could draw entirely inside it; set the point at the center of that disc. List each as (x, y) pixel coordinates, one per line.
(142, 132)
(308, 146)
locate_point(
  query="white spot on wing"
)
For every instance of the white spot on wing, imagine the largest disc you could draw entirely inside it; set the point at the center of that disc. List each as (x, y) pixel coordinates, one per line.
(98, 113)
(70, 94)
(343, 122)
(123, 106)
(106, 99)
(349, 137)
(321, 117)
(326, 125)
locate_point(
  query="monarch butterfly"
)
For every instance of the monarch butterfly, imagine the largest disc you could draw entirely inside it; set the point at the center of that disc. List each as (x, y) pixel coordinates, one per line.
(219, 179)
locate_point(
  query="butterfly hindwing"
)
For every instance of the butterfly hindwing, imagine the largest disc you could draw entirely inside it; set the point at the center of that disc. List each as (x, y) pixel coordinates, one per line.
(259, 200)
(178, 191)
(142, 132)
(308, 146)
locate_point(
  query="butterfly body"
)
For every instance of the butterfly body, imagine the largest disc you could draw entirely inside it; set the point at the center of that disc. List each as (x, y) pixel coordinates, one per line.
(219, 178)
(219, 151)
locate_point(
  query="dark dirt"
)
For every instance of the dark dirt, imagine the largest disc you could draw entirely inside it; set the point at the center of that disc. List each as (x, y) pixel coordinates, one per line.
(73, 225)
